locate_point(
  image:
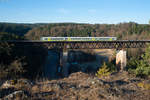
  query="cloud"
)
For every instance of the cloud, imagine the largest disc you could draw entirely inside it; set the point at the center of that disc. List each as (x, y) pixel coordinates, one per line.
(92, 11)
(63, 11)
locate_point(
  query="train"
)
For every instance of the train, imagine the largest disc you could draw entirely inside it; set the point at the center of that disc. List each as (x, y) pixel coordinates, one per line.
(78, 39)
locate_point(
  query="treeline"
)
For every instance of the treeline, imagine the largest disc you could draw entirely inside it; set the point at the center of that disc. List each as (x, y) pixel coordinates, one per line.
(12, 28)
(121, 31)
(35, 31)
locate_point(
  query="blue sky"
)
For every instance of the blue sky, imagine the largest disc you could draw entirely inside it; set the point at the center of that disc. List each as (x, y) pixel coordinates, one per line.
(79, 11)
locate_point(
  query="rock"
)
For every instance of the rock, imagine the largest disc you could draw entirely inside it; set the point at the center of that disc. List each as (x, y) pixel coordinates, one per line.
(16, 94)
(97, 81)
(25, 82)
(8, 84)
(13, 83)
(93, 82)
(57, 86)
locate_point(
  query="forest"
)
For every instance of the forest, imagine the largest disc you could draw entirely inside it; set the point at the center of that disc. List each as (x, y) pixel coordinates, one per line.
(124, 31)
(18, 62)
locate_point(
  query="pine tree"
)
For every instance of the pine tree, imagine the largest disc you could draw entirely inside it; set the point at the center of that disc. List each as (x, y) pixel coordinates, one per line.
(103, 71)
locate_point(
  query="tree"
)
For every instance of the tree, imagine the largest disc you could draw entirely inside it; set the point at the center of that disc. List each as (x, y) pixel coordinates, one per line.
(143, 67)
(103, 71)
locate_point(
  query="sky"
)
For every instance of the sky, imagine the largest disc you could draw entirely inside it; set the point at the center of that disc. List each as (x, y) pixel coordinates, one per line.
(77, 11)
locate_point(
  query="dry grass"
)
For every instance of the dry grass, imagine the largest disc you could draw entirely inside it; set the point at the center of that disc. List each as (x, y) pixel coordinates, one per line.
(143, 85)
(81, 86)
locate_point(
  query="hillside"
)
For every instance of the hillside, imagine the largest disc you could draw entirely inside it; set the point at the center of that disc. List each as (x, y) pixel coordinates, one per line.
(35, 31)
(122, 30)
(78, 86)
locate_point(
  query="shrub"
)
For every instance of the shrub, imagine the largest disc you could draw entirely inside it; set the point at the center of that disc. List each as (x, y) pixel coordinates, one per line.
(132, 64)
(111, 67)
(141, 65)
(103, 71)
(14, 70)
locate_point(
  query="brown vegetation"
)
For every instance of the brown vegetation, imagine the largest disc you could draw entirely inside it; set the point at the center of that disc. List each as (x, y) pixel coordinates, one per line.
(81, 86)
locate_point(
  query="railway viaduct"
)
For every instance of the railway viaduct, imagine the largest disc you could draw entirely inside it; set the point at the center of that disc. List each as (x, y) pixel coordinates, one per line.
(119, 45)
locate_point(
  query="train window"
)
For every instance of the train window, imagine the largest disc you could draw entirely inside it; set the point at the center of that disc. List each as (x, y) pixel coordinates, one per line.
(57, 39)
(46, 39)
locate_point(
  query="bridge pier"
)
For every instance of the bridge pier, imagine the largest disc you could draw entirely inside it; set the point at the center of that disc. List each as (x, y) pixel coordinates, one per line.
(64, 63)
(121, 59)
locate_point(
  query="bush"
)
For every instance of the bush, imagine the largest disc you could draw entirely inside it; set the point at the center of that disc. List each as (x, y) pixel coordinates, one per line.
(12, 71)
(103, 71)
(132, 64)
(141, 65)
(142, 69)
(111, 67)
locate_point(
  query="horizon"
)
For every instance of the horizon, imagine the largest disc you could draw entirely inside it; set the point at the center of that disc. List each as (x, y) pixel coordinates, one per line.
(73, 23)
(70, 11)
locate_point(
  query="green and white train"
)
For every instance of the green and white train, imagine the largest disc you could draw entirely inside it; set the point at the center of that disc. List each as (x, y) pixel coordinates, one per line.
(78, 38)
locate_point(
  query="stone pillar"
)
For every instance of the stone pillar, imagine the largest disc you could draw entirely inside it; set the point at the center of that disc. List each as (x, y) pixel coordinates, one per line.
(121, 59)
(64, 63)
